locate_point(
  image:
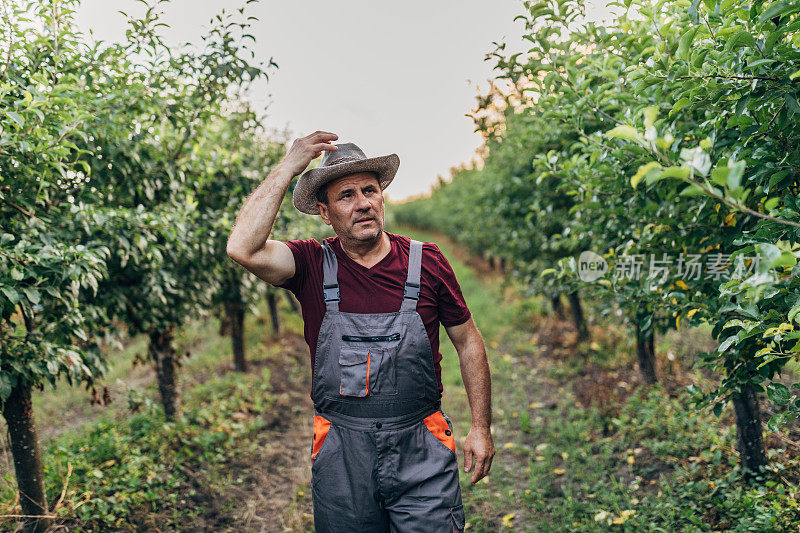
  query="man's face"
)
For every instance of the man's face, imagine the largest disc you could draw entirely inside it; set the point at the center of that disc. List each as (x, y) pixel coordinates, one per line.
(355, 207)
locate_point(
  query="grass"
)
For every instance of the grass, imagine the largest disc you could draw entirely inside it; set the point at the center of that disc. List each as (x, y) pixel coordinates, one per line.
(123, 465)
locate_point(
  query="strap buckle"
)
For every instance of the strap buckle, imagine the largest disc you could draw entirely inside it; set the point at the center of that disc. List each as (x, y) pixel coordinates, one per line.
(411, 291)
(330, 293)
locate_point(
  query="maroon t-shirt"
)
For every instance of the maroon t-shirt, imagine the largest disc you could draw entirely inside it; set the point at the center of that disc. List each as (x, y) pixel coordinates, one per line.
(378, 289)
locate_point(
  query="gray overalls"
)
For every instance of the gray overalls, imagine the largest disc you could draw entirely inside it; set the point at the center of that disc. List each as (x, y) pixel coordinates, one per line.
(383, 452)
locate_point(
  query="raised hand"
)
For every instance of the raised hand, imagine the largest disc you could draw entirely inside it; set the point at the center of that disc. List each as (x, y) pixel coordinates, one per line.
(306, 149)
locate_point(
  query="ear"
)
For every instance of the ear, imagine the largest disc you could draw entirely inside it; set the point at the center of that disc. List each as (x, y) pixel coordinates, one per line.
(323, 212)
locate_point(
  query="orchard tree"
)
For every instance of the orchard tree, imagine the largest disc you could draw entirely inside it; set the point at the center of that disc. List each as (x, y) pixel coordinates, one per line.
(681, 153)
(50, 266)
(151, 160)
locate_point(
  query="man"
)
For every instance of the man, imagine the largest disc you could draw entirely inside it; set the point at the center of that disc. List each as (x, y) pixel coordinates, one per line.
(383, 452)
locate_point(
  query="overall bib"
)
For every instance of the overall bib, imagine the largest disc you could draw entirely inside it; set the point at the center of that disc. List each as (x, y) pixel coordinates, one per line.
(383, 452)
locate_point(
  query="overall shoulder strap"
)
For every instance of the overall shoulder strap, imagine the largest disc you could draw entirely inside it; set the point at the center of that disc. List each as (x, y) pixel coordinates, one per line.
(411, 290)
(330, 282)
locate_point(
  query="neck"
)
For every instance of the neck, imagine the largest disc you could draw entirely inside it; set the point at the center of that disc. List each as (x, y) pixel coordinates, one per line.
(368, 252)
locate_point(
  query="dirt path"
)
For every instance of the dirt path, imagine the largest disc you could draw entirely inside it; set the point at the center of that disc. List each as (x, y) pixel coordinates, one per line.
(275, 496)
(271, 493)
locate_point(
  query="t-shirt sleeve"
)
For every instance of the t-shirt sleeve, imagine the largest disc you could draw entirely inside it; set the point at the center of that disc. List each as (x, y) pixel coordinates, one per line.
(453, 308)
(302, 250)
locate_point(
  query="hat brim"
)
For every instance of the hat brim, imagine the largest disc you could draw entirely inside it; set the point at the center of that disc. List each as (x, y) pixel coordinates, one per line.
(304, 197)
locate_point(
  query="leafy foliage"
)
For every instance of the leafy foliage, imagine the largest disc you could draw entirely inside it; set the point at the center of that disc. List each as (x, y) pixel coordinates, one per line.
(671, 133)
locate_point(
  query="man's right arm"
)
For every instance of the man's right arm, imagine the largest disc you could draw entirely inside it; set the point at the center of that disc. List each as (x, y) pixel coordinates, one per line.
(249, 243)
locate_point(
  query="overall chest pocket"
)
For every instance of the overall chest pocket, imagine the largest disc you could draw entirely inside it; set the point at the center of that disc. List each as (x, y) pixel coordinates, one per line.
(367, 364)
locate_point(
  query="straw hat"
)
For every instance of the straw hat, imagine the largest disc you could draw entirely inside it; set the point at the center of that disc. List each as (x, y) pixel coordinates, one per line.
(348, 159)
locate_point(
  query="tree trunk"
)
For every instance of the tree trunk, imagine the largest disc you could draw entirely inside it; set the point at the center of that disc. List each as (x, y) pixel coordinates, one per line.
(748, 431)
(163, 355)
(558, 307)
(224, 324)
(293, 303)
(492, 262)
(273, 313)
(235, 317)
(577, 316)
(502, 264)
(645, 351)
(18, 412)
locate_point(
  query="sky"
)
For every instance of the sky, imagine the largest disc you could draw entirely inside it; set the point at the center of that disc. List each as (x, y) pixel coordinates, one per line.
(391, 77)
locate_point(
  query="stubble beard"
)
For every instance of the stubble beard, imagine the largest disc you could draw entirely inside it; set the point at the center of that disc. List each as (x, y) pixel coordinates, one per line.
(373, 239)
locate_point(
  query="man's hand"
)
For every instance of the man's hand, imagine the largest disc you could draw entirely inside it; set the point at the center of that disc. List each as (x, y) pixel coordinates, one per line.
(306, 149)
(478, 452)
(478, 446)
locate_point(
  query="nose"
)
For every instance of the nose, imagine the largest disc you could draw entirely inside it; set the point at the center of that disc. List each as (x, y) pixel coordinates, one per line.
(362, 203)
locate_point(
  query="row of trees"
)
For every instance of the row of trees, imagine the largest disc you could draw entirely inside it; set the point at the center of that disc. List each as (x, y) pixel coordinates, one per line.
(669, 137)
(122, 168)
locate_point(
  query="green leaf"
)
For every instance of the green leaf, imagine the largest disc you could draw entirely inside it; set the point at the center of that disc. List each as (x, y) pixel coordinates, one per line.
(623, 132)
(720, 175)
(16, 118)
(5, 387)
(733, 323)
(758, 62)
(776, 422)
(700, 57)
(791, 103)
(735, 173)
(769, 42)
(727, 343)
(32, 294)
(675, 172)
(743, 36)
(692, 11)
(777, 178)
(685, 44)
(749, 309)
(768, 253)
(643, 170)
(778, 393)
(692, 190)
(650, 115)
(779, 9)
(11, 294)
(680, 104)
(786, 259)
(741, 105)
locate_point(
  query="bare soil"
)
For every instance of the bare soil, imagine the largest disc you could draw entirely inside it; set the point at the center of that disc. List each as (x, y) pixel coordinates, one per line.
(273, 495)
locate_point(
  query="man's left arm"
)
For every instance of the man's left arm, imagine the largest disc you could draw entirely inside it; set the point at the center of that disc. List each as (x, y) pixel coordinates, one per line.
(478, 446)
